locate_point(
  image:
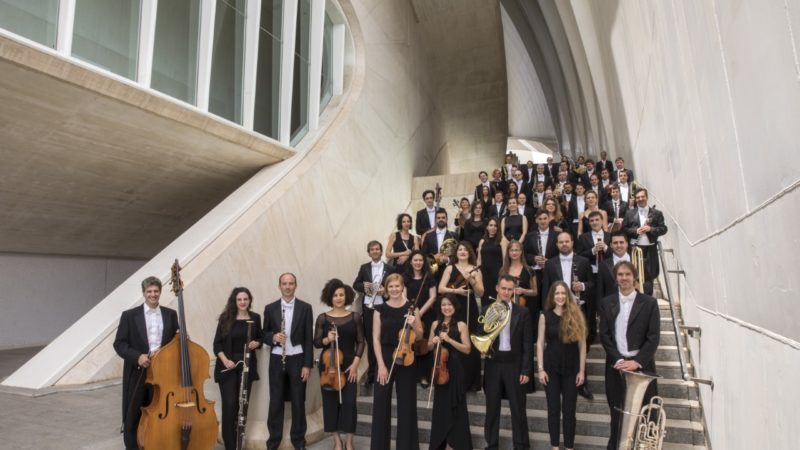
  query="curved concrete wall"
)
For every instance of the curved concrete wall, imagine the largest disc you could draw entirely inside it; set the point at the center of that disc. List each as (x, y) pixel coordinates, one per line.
(703, 99)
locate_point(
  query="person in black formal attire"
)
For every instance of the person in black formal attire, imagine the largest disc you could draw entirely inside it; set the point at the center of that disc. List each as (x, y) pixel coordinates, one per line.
(604, 163)
(426, 217)
(525, 209)
(497, 182)
(290, 360)
(401, 242)
(644, 225)
(561, 352)
(421, 288)
(591, 206)
(538, 195)
(230, 340)
(514, 225)
(620, 167)
(434, 239)
(369, 283)
(142, 331)
(484, 177)
(576, 271)
(605, 179)
(486, 197)
(566, 199)
(345, 325)
(539, 246)
(594, 246)
(491, 251)
(626, 190)
(607, 284)
(509, 370)
(498, 208)
(388, 320)
(615, 207)
(450, 419)
(577, 204)
(597, 188)
(554, 212)
(586, 177)
(508, 166)
(521, 184)
(475, 227)
(541, 175)
(630, 326)
(551, 168)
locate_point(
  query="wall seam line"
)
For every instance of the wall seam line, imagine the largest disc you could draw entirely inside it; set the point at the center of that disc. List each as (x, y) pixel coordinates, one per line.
(762, 331)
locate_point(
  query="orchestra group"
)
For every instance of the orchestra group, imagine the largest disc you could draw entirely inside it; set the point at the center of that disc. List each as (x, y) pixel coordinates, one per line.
(536, 270)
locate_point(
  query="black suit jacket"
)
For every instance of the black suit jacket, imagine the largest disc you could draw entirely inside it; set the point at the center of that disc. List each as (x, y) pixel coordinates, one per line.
(479, 188)
(606, 283)
(599, 165)
(301, 332)
(644, 329)
(530, 245)
(614, 175)
(632, 223)
(224, 344)
(552, 272)
(521, 338)
(608, 206)
(430, 246)
(365, 275)
(423, 223)
(131, 342)
(493, 210)
(585, 244)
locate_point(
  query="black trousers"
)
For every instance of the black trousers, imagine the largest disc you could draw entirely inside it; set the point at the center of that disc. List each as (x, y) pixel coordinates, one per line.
(502, 377)
(340, 417)
(404, 379)
(141, 394)
(615, 395)
(372, 363)
(280, 382)
(229, 393)
(562, 398)
(589, 308)
(651, 267)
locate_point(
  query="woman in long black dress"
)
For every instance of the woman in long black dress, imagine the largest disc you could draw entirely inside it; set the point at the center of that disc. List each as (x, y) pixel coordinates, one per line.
(401, 243)
(450, 420)
(421, 288)
(229, 343)
(491, 251)
(340, 418)
(475, 227)
(388, 320)
(461, 282)
(557, 220)
(561, 352)
(514, 225)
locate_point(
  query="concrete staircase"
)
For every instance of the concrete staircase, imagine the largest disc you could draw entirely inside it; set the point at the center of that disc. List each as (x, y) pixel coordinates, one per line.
(685, 427)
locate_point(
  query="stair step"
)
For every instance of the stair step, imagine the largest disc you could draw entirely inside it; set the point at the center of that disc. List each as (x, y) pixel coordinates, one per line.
(663, 353)
(539, 439)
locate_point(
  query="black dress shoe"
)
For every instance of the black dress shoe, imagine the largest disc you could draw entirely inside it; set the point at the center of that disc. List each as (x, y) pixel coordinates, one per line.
(584, 392)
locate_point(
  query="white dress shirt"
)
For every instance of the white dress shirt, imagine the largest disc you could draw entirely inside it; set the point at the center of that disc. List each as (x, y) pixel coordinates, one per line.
(616, 205)
(440, 234)
(432, 216)
(566, 268)
(288, 315)
(377, 278)
(624, 257)
(155, 327)
(623, 191)
(621, 324)
(642, 239)
(505, 335)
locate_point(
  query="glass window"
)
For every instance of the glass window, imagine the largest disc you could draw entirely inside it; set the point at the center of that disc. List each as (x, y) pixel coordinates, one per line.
(227, 60)
(35, 20)
(175, 49)
(107, 34)
(326, 88)
(299, 122)
(268, 69)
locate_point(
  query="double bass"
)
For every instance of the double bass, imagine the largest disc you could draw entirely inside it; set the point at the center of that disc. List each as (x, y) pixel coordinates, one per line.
(179, 416)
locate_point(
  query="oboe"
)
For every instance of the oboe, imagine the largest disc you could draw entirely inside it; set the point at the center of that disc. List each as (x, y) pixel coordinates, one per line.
(241, 420)
(283, 345)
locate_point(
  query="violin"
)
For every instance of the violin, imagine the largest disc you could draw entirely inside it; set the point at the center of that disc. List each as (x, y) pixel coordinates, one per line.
(404, 353)
(179, 417)
(441, 375)
(332, 377)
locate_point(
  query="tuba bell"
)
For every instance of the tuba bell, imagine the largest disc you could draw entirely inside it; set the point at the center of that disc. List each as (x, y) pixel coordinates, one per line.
(642, 427)
(448, 248)
(496, 317)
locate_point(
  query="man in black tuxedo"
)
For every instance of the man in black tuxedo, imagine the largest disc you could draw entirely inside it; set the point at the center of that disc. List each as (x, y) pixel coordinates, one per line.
(607, 284)
(538, 246)
(644, 225)
(594, 245)
(432, 242)
(537, 196)
(427, 215)
(575, 208)
(525, 209)
(290, 361)
(630, 326)
(620, 167)
(508, 370)
(541, 175)
(142, 331)
(604, 163)
(605, 178)
(576, 271)
(517, 179)
(484, 177)
(616, 208)
(528, 171)
(498, 208)
(369, 282)
(590, 170)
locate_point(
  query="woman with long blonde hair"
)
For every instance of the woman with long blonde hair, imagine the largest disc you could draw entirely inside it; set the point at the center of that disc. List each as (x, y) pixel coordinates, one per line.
(561, 357)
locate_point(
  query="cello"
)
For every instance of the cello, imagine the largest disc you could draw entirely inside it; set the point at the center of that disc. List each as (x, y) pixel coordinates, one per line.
(179, 416)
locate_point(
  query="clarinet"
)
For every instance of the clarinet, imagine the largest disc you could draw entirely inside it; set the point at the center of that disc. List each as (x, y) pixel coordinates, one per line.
(241, 419)
(283, 346)
(574, 279)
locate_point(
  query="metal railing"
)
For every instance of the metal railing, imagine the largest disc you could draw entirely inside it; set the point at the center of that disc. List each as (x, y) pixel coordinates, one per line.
(691, 330)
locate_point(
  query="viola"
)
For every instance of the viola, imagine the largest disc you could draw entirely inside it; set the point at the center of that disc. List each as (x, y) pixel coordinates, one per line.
(179, 417)
(332, 377)
(441, 375)
(404, 353)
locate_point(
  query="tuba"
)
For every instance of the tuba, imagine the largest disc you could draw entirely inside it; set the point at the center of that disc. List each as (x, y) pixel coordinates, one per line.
(448, 248)
(496, 317)
(644, 430)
